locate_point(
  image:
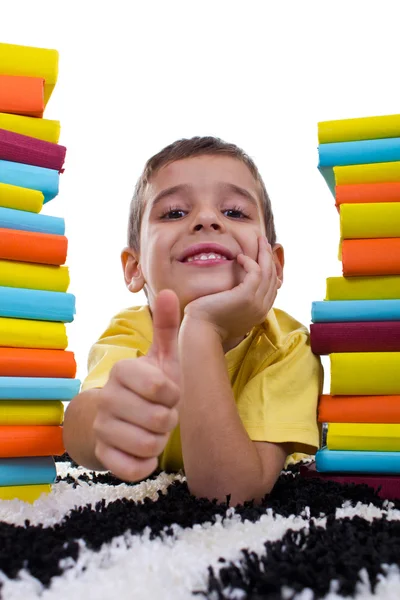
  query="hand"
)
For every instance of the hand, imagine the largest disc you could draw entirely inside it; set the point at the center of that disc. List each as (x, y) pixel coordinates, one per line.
(137, 407)
(233, 313)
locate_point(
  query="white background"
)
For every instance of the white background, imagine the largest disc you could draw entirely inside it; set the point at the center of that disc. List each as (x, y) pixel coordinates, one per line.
(135, 76)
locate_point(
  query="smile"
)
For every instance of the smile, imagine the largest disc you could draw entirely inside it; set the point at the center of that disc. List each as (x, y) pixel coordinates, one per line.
(206, 259)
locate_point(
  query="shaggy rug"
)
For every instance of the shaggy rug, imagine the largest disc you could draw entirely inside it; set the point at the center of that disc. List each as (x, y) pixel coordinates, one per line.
(96, 538)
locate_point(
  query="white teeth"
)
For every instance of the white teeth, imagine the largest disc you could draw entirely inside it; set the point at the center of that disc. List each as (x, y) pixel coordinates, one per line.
(209, 256)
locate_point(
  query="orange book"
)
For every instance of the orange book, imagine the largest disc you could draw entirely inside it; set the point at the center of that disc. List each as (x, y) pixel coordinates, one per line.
(351, 193)
(32, 246)
(359, 409)
(20, 95)
(36, 362)
(31, 440)
(378, 256)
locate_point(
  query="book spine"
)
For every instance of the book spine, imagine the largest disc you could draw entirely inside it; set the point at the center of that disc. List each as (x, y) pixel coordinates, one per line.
(37, 374)
(358, 323)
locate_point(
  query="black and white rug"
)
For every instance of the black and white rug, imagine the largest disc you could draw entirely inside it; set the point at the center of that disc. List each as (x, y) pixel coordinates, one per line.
(96, 538)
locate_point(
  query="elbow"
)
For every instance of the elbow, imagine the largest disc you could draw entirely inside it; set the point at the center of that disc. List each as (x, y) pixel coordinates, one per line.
(257, 496)
(230, 495)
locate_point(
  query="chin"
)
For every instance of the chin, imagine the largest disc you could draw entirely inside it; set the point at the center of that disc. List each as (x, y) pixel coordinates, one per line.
(207, 289)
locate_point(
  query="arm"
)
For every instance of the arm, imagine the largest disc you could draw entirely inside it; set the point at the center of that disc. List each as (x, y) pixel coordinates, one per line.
(219, 457)
(78, 433)
(124, 426)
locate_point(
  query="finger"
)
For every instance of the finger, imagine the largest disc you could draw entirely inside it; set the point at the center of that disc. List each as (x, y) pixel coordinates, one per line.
(129, 438)
(252, 278)
(262, 285)
(166, 322)
(269, 298)
(140, 377)
(263, 244)
(123, 466)
(131, 408)
(267, 266)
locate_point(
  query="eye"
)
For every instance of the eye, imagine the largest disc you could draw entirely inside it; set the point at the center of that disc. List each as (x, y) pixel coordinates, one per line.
(237, 213)
(172, 213)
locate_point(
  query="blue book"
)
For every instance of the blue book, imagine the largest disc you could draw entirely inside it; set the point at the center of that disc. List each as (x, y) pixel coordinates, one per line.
(40, 305)
(38, 388)
(360, 152)
(28, 221)
(353, 461)
(329, 176)
(28, 176)
(325, 311)
(27, 471)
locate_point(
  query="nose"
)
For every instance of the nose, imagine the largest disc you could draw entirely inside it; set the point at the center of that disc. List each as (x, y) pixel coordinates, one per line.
(207, 218)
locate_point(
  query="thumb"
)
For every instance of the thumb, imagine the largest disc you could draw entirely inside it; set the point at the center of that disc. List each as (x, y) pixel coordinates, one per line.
(166, 323)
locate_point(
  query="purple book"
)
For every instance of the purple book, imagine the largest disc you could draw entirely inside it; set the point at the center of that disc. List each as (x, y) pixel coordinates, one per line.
(19, 148)
(355, 336)
(389, 484)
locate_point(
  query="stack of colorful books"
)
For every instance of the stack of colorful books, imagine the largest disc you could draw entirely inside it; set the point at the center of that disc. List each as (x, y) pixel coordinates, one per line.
(37, 373)
(358, 323)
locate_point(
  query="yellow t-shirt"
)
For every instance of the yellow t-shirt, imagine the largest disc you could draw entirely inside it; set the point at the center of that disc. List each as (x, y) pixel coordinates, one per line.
(275, 378)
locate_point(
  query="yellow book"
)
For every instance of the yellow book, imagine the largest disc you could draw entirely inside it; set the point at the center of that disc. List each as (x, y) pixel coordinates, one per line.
(19, 198)
(28, 333)
(26, 493)
(370, 220)
(378, 437)
(370, 173)
(33, 276)
(340, 250)
(31, 62)
(363, 128)
(365, 373)
(41, 129)
(382, 287)
(31, 412)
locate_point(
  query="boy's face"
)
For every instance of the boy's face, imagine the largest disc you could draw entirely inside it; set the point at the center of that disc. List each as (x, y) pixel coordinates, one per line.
(200, 200)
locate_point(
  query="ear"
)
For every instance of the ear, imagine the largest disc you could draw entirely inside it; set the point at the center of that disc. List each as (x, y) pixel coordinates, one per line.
(279, 260)
(132, 271)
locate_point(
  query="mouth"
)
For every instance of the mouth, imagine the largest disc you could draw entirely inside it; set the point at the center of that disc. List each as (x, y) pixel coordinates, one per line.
(206, 255)
(206, 259)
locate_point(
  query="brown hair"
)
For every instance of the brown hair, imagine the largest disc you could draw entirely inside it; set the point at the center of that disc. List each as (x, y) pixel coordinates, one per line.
(186, 148)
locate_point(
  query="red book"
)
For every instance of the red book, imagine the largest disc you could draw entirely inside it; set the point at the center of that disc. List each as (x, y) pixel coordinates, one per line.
(33, 246)
(359, 409)
(355, 336)
(19, 148)
(20, 95)
(31, 440)
(361, 193)
(379, 256)
(389, 484)
(37, 362)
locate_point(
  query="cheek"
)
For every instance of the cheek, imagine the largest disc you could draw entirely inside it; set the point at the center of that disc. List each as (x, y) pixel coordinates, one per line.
(157, 253)
(250, 244)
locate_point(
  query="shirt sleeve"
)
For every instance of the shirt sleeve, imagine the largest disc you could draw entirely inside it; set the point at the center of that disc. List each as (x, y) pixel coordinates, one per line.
(118, 342)
(279, 404)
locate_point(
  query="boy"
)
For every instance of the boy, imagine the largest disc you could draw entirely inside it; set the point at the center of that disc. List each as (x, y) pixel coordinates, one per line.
(208, 377)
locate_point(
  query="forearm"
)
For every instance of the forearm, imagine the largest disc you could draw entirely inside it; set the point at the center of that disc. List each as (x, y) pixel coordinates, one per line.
(78, 429)
(219, 457)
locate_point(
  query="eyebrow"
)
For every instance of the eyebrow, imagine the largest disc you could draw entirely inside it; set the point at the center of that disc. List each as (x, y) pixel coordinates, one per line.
(184, 187)
(171, 191)
(236, 189)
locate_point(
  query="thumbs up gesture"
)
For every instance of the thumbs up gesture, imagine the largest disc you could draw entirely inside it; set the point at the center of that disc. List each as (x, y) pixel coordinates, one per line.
(137, 408)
